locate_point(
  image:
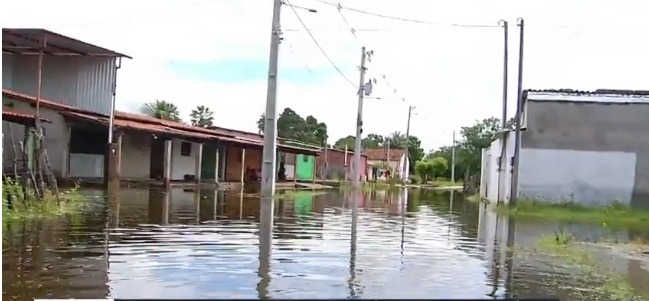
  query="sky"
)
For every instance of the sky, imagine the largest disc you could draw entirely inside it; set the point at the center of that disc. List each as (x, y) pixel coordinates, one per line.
(215, 53)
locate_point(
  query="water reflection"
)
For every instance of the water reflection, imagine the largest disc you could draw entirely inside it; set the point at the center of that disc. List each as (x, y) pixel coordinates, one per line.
(223, 244)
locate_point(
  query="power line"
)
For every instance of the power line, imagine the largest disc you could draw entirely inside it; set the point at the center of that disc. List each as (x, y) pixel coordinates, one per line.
(306, 66)
(379, 15)
(319, 46)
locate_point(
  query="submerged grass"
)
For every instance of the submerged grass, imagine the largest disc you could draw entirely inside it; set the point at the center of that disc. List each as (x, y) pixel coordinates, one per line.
(16, 206)
(294, 194)
(614, 215)
(606, 283)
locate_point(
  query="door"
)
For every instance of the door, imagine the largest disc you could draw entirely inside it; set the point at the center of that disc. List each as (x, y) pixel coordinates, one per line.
(208, 162)
(157, 158)
(305, 167)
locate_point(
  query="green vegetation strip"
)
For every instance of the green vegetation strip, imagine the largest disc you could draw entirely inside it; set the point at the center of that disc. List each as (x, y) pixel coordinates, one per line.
(613, 216)
(30, 208)
(605, 282)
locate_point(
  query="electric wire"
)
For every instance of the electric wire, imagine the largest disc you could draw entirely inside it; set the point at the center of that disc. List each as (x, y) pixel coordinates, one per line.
(380, 15)
(320, 46)
(306, 66)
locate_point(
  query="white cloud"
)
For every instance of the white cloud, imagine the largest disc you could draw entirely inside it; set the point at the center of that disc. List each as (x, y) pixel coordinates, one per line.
(452, 75)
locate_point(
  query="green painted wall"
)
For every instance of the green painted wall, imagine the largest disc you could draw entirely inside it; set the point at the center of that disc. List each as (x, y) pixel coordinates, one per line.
(305, 167)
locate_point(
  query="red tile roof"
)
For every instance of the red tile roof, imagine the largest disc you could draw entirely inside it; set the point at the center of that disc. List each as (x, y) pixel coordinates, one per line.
(20, 118)
(382, 154)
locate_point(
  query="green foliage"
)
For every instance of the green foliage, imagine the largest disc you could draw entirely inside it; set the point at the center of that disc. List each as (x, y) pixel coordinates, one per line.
(202, 116)
(16, 206)
(291, 125)
(431, 168)
(416, 179)
(162, 109)
(371, 141)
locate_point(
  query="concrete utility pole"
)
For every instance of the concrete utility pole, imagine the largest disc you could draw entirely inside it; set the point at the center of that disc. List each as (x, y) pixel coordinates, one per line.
(502, 165)
(453, 160)
(404, 169)
(359, 123)
(519, 113)
(268, 169)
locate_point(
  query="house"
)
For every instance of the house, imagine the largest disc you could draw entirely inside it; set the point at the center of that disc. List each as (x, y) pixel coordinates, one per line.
(77, 99)
(380, 160)
(591, 148)
(339, 164)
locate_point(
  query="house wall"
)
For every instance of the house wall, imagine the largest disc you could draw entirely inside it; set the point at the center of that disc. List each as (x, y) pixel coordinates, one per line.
(82, 82)
(492, 187)
(331, 164)
(589, 153)
(57, 137)
(394, 165)
(136, 155)
(182, 165)
(233, 166)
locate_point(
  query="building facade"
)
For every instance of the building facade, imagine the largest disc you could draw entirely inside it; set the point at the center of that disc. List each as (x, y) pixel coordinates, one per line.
(590, 148)
(336, 164)
(383, 162)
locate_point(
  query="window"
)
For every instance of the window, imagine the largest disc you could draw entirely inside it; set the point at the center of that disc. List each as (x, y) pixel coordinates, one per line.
(185, 149)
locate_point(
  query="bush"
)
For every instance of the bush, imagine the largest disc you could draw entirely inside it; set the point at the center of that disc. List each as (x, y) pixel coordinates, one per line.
(415, 179)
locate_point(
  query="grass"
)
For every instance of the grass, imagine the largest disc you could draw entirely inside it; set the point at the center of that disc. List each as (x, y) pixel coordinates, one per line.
(613, 216)
(613, 286)
(68, 201)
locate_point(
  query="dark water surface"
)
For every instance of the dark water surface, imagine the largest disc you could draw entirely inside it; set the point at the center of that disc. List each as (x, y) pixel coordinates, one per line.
(408, 244)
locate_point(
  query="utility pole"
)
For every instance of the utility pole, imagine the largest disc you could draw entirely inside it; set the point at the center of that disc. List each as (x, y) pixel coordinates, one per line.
(359, 123)
(270, 123)
(453, 160)
(519, 113)
(502, 164)
(405, 172)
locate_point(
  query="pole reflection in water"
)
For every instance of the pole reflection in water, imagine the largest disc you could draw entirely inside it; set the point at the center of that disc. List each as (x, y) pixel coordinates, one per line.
(241, 204)
(352, 252)
(265, 245)
(404, 201)
(450, 215)
(165, 207)
(197, 201)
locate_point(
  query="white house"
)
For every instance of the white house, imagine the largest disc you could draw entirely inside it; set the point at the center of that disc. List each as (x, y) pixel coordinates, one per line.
(590, 148)
(382, 160)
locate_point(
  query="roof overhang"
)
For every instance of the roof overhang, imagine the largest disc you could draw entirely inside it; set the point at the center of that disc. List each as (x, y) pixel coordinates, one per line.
(30, 41)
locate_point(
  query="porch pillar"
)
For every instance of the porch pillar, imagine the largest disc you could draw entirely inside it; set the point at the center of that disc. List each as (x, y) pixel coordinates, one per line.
(295, 169)
(199, 162)
(112, 163)
(243, 165)
(216, 165)
(167, 163)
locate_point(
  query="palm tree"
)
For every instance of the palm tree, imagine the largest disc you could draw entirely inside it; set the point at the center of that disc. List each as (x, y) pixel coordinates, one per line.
(397, 140)
(202, 116)
(162, 109)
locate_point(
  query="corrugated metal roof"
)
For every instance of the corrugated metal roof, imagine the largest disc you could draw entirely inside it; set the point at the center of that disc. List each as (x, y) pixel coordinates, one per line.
(28, 41)
(20, 118)
(608, 96)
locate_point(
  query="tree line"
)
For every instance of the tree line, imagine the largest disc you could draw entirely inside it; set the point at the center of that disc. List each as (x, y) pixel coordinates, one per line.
(200, 116)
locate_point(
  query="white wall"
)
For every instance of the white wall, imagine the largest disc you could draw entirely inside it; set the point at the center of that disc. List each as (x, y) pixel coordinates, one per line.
(290, 171)
(490, 180)
(136, 156)
(585, 177)
(57, 137)
(86, 166)
(182, 165)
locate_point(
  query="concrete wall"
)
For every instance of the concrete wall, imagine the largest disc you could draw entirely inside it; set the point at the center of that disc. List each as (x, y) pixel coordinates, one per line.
(331, 164)
(182, 165)
(495, 181)
(591, 153)
(57, 137)
(136, 156)
(233, 166)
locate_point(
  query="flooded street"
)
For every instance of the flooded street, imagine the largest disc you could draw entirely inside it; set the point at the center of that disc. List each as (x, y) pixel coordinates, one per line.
(407, 244)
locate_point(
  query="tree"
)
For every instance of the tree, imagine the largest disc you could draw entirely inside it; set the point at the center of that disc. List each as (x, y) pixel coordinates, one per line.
(371, 141)
(291, 125)
(431, 168)
(202, 116)
(162, 109)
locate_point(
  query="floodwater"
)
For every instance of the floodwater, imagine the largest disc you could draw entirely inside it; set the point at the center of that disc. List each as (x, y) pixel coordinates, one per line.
(407, 244)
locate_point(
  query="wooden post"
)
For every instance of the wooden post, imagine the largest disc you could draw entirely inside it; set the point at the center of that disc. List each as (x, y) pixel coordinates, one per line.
(243, 165)
(167, 163)
(199, 162)
(216, 165)
(119, 152)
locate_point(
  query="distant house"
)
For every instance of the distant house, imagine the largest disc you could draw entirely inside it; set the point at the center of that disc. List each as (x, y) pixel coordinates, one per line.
(77, 90)
(590, 148)
(382, 160)
(339, 164)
